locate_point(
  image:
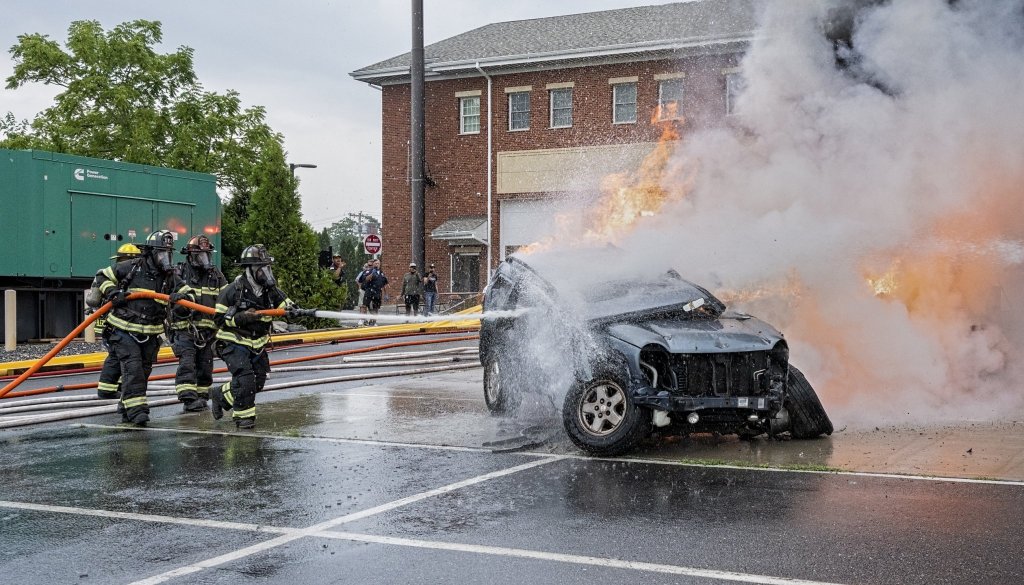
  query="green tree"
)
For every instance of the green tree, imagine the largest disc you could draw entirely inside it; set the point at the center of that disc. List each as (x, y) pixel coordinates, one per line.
(123, 100)
(275, 220)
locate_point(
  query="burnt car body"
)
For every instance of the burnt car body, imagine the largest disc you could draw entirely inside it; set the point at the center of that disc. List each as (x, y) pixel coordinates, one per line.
(642, 353)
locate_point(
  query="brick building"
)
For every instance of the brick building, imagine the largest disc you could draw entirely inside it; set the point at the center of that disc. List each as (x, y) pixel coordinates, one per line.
(571, 98)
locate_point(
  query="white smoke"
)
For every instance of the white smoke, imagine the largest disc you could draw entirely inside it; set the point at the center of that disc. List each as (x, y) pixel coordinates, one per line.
(915, 148)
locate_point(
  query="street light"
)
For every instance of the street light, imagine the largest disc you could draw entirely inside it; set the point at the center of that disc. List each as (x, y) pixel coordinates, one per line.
(293, 166)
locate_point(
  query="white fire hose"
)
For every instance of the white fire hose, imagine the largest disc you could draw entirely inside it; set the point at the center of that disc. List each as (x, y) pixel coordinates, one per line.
(112, 408)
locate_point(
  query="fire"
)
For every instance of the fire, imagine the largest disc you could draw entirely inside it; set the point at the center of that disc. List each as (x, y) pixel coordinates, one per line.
(630, 196)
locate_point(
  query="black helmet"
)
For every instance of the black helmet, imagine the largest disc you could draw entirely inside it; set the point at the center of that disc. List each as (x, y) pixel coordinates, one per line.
(255, 255)
(159, 240)
(198, 243)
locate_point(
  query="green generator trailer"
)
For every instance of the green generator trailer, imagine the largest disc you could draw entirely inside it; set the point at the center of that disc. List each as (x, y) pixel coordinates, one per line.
(62, 217)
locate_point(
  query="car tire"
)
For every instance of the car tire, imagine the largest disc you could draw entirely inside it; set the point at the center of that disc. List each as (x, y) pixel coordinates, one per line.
(808, 416)
(497, 385)
(600, 417)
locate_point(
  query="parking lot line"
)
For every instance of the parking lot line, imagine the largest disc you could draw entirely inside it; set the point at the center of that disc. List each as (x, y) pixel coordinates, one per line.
(642, 461)
(145, 517)
(340, 440)
(403, 396)
(286, 538)
(574, 559)
(296, 533)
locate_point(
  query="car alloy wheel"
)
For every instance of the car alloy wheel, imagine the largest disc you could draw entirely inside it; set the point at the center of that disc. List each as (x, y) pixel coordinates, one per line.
(492, 386)
(602, 409)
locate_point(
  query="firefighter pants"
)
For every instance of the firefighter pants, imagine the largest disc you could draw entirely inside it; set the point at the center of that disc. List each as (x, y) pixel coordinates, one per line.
(136, 355)
(109, 385)
(195, 364)
(249, 370)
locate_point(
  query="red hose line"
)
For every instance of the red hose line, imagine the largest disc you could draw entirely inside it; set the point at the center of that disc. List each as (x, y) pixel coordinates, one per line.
(96, 315)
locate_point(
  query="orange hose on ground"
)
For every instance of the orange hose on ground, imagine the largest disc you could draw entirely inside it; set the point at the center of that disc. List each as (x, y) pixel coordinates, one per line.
(88, 385)
(96, 315)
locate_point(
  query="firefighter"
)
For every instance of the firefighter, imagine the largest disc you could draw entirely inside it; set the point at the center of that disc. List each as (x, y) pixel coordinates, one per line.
(191, 332)
(243, 335)
(135, 325)
(110, 374)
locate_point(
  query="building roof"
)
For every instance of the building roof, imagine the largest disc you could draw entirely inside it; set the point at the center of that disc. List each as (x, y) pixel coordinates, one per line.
(642, 33)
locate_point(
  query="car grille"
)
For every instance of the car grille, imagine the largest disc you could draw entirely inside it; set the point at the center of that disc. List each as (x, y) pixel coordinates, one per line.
(722, 374)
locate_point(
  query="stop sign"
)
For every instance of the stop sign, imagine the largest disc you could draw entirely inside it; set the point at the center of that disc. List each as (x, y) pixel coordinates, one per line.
(371, 243)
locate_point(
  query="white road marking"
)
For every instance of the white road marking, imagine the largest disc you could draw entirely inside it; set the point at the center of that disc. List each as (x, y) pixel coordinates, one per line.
(145, 517)
(865, 474)
(286, 538)
(313, 438)
(575, 559)
(290, 534)
(367, 395)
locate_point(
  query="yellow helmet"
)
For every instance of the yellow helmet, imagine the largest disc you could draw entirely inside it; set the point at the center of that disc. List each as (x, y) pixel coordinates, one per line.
(127, 251)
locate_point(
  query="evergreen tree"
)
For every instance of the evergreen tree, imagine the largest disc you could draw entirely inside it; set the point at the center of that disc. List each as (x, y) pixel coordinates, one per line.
(275, 220)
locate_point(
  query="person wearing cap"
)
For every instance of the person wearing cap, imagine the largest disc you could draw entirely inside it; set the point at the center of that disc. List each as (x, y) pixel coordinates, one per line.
(373, 282)
(412, 290)
(429, 291)
(338, 269)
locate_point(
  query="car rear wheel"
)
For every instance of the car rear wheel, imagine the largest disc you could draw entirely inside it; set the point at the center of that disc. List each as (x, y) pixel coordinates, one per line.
(805, 410)
(600, 417)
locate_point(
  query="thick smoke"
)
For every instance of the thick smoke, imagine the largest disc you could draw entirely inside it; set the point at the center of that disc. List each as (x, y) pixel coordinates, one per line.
(870, 206)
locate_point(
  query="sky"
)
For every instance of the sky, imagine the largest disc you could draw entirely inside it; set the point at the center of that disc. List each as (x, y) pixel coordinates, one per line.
(293, 58)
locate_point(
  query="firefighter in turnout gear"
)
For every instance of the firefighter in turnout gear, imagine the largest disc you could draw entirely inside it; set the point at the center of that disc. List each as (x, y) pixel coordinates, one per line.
(110, 374)
(135, 325)
(191, 332)
(244, 334)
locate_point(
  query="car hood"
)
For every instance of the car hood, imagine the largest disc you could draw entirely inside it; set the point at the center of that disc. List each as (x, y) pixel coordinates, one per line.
(732, 332)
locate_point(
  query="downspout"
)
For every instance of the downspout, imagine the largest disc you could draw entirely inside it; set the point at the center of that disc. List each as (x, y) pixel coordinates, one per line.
(490, 233)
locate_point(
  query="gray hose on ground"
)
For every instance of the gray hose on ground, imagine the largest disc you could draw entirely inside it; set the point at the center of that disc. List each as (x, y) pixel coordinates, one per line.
(112, 408)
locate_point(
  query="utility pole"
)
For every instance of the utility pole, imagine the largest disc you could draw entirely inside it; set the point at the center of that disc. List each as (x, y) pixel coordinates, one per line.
(416, 138)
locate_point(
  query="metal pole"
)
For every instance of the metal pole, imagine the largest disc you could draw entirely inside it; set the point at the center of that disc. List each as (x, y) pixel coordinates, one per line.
(416, 123)
(10, 320)
(490, 158)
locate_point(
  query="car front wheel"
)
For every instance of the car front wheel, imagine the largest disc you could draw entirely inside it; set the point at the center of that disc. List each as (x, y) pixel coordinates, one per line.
(600, 417)
(805, 410)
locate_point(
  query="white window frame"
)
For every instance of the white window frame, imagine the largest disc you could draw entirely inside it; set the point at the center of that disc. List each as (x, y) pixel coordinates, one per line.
(615, 103)
(551, 107)
(511, 96)
(464, 117)
(734, 86)
(662, 109)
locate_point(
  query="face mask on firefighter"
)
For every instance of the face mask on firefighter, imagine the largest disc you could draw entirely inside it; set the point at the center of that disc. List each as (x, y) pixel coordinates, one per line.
(263, 275)
(200, 259)
(162, 259)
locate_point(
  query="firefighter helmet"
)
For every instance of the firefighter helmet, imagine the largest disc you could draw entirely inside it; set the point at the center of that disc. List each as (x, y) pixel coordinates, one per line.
(198, 243)
(159, 240)
(126, 251)
(255, 255)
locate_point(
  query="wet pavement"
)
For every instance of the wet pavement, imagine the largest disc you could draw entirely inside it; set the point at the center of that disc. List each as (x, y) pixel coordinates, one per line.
(410, 480)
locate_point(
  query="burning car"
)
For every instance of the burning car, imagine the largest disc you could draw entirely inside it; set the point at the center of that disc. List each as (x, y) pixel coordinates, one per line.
(640, 353)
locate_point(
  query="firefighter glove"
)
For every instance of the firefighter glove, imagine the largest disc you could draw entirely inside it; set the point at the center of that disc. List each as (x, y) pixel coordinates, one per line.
(177, 296)
(119, 299)
(246, 318)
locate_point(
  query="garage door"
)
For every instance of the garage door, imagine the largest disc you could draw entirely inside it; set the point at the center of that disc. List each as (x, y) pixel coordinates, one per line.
(524, 222)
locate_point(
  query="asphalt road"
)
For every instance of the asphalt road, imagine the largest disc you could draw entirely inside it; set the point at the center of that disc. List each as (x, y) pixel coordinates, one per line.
(409, 480)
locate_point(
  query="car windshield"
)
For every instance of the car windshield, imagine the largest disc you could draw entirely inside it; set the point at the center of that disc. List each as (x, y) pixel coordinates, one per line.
(668, 293)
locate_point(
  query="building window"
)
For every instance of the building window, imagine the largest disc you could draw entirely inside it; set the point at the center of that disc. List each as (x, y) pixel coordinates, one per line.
(465, 276)
(469, 108)
(670, 99)
(561, 107)
(519, 110)
(624, 98)
(734, 86)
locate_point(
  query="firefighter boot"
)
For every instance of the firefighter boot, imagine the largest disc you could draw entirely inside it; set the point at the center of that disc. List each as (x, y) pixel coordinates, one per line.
(245, 423)
(217, 403)
(195, 405)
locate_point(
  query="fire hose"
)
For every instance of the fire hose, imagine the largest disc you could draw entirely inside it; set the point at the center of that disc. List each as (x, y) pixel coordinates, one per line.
(112, 408)
(194, 306)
